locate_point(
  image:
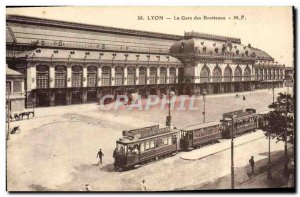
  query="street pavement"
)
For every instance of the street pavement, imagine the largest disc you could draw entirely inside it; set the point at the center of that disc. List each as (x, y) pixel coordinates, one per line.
(56, 150)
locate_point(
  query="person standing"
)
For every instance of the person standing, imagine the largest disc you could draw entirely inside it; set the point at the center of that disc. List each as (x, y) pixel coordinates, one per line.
(88, 187)
(251, 162)
(100, 154)
(143, 185)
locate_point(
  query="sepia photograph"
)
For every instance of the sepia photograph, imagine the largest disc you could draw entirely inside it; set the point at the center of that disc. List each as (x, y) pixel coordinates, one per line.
(150, 99)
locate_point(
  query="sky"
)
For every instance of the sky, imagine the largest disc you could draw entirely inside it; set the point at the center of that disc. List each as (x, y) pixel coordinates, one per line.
(267, 28)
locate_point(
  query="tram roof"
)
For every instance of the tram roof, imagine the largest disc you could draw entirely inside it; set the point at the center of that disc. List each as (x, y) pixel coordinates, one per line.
(128, 140)
(199, 126)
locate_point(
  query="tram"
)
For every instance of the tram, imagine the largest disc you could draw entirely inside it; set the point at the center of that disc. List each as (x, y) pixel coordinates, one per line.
(142, 145)
(199, 134)
(243, 121)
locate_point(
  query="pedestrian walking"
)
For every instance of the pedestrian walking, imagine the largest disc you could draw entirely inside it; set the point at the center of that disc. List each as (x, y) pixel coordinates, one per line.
(251, 162)
(88, 187)
(143, 185)
(100, 155)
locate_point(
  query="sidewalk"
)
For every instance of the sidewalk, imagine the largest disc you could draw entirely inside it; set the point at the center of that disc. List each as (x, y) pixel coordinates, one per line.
(224, 144)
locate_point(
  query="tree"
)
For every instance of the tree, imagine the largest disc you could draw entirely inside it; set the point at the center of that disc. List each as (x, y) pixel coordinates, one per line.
(281, 119)
(280, 122)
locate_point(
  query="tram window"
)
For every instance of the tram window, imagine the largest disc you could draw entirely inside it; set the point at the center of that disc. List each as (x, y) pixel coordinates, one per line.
(165, 141)
(147, 145)
(170, 140)
(142, 147)
(152, 144)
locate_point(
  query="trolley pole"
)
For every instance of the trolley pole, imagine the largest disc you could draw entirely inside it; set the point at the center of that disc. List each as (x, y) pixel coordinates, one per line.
(232, 163)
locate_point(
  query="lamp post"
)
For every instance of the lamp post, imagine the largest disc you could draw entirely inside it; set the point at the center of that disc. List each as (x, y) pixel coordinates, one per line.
(204, 93)
(169, 118)
(269, 175)
(8, 115)
(232, 146)
(285, 169)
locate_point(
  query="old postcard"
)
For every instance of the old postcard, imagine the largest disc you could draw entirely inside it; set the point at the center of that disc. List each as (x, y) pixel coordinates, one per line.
(149, 99)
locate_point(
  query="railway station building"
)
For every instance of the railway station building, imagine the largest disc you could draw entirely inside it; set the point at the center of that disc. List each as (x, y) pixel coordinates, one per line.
(69, 63)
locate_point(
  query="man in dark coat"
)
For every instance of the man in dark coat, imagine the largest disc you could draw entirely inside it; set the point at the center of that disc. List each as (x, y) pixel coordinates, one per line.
(251, 162)
(100, 154)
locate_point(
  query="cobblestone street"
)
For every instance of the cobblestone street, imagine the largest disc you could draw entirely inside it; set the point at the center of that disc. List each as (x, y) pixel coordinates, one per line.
(56, 150)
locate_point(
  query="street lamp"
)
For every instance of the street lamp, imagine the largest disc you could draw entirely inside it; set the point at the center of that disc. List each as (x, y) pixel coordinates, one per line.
(232, 146)
(169, 117)
(204, 93)
(285, 169)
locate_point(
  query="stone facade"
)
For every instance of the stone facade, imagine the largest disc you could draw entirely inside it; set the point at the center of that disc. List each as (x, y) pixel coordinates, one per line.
(69, 63)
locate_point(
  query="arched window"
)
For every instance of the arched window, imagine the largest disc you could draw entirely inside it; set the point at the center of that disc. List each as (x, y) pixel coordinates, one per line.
(261, 76)
(172, 78)
(204, 74)
(92, 76)
(256, 74)
(247, 74)
(269, 74)
(106, 76)
(227, 74)
(130, 75)
(60, 76)
(265, 74)
(180, 74)
(142, 75)
(163, 75)
(217, 74)
(153, 75)
(77, 76)
(276, 74)
(119, 75)
(42, 76)
(238, 74)
(272, 73)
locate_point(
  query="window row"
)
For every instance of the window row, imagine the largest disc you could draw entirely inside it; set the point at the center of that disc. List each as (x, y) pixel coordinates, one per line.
(152, 144)
(216, 76)
(42, 76)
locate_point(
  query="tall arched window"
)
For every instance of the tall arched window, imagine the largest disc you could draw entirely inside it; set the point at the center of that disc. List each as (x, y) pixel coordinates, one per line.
(142, 75)
(256, 73)
(217, 74)
(42, 76)
(130, 75)
(106, 76)
(227, 74)
(92, 76)
(269, 74)
(180, 74)
(238, 74)
(272, 73)
(247, 74)
(261, 76)
(77, 75)
(276, 74)
(172, 78)
(204, 74)
(60, 76)
(119, 73)
(163, 75)
(153, 75)
(265, 74)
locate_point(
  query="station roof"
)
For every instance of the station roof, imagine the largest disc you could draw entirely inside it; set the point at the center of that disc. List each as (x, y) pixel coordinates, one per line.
(214, 48)
(199, 126)
(96, 56)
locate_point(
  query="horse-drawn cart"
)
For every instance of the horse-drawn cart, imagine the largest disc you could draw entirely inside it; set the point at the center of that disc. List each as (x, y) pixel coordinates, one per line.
(20, 115)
